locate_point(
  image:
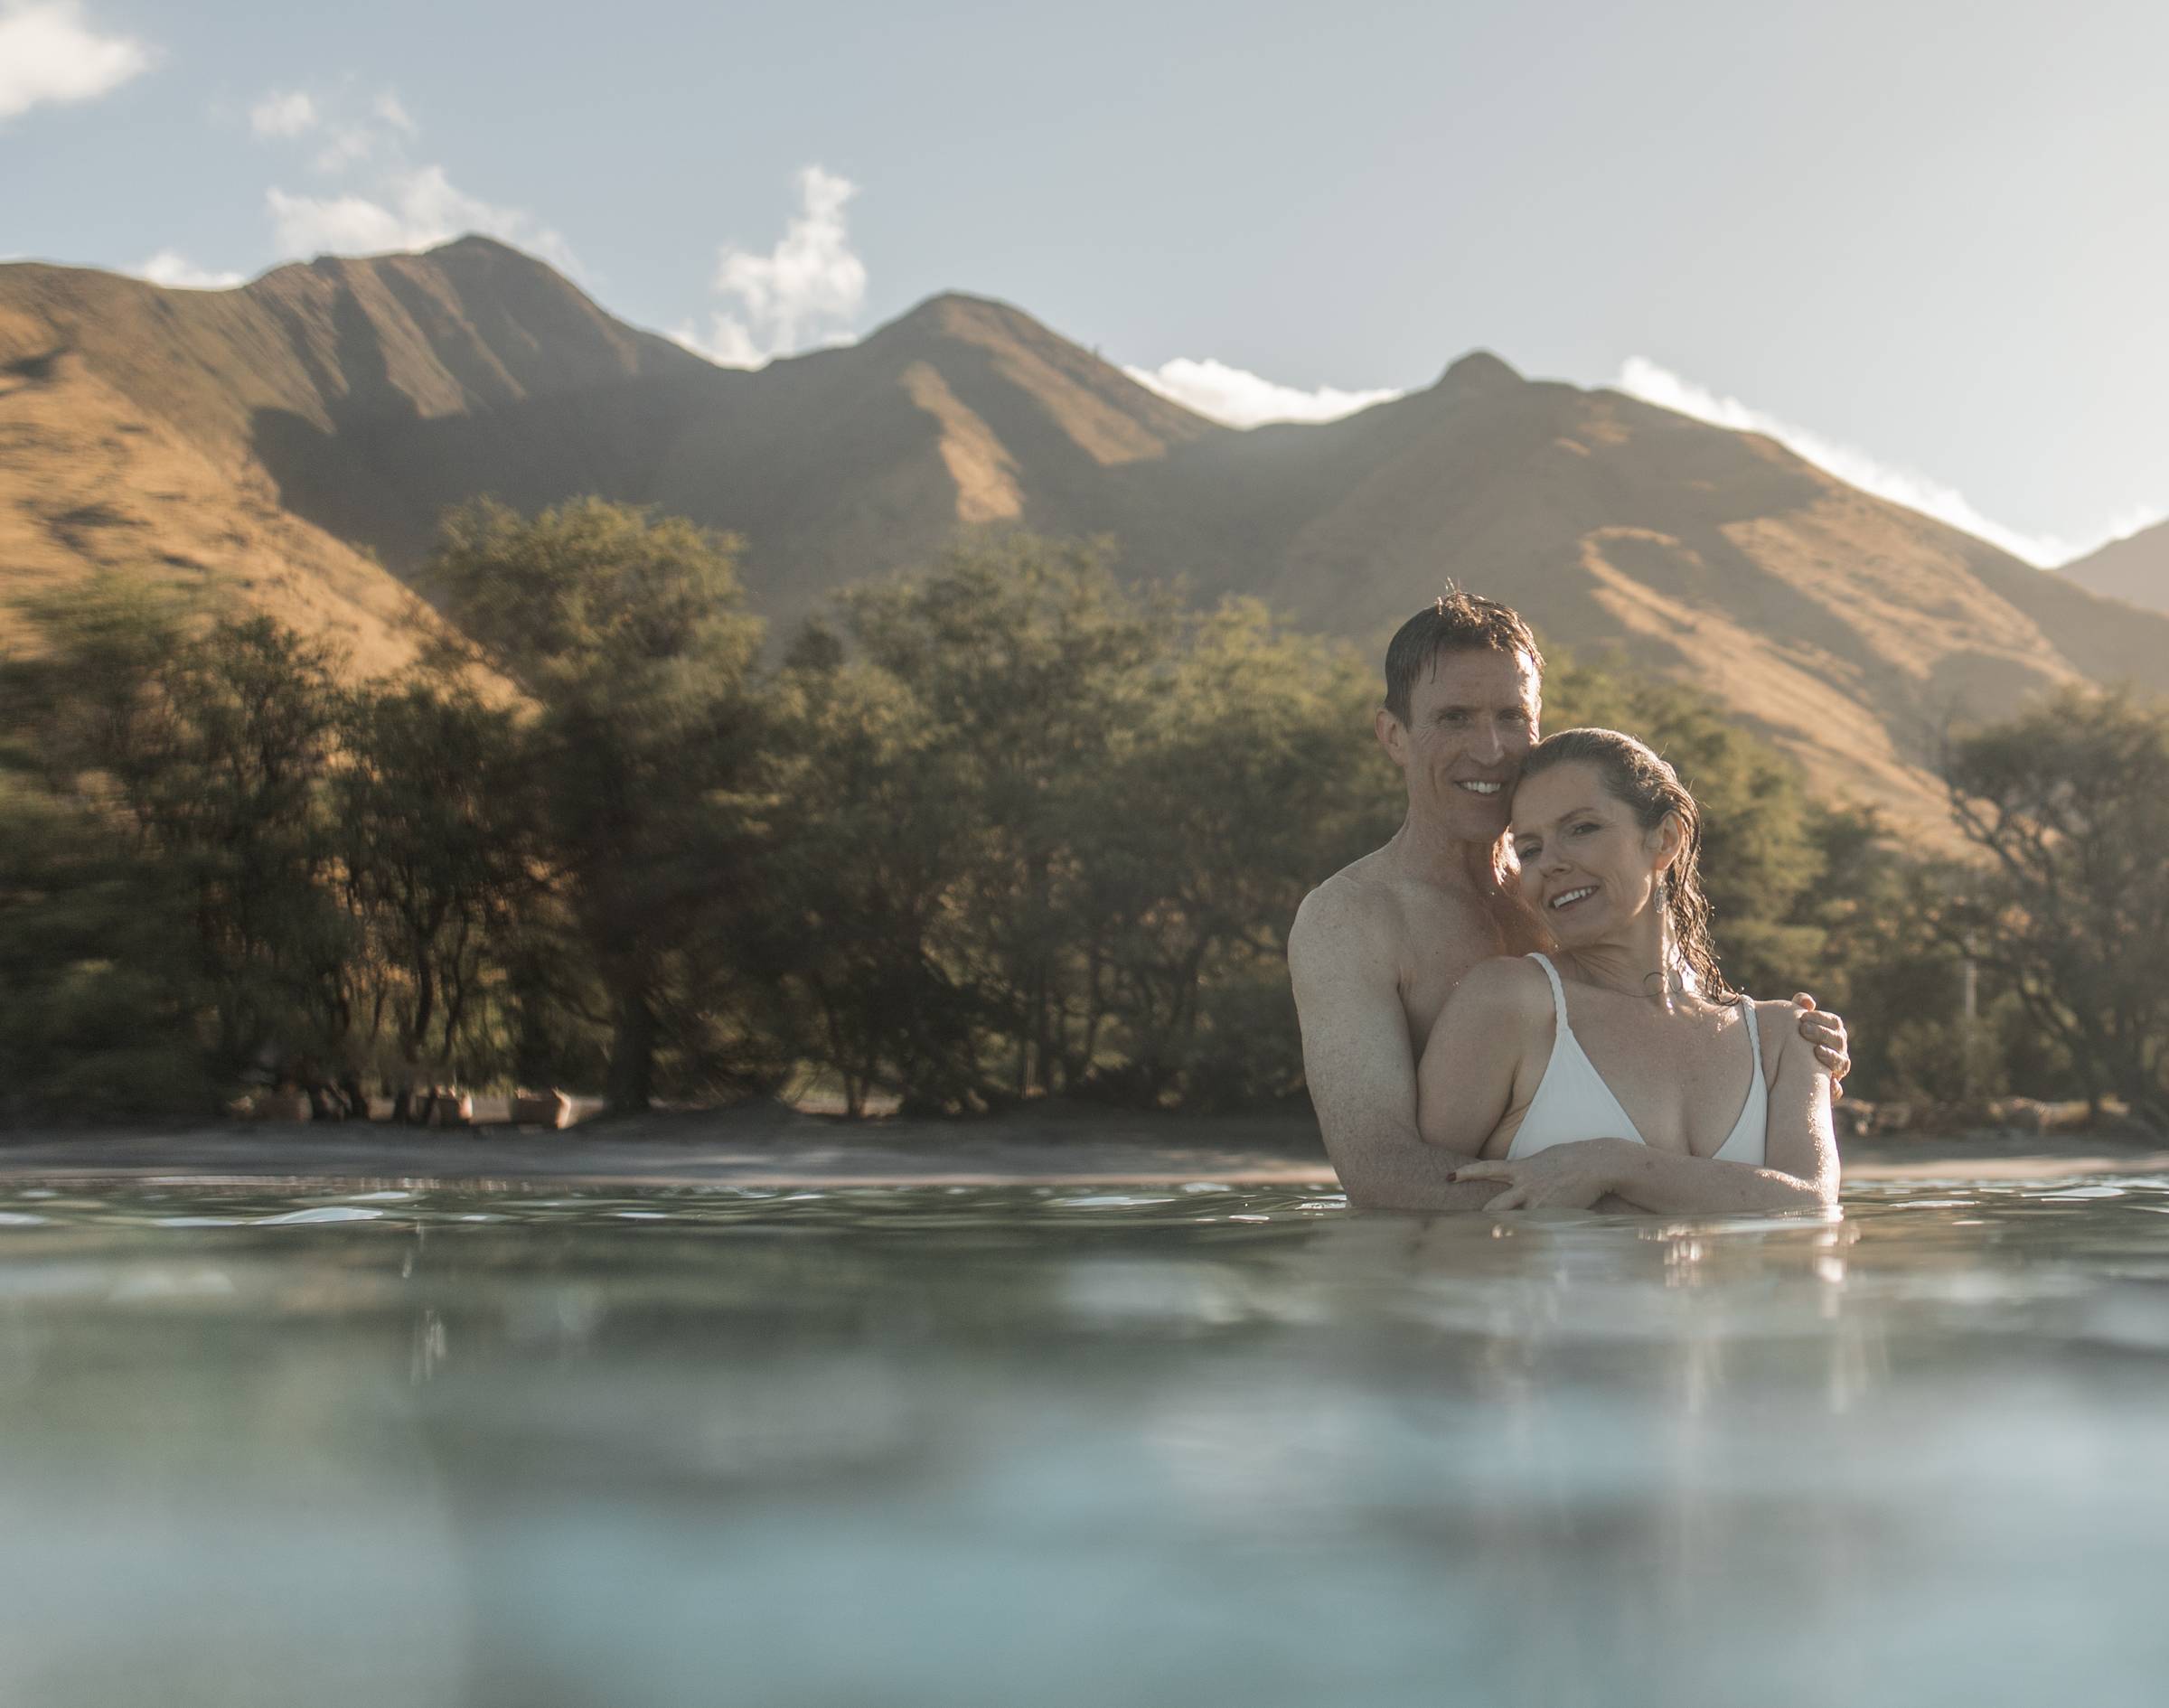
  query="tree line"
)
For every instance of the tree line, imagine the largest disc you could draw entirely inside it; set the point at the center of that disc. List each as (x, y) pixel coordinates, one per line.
(1013, 828)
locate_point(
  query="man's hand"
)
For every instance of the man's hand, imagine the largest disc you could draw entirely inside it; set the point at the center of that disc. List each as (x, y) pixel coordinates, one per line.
(1570, 1176)
(1826, 1032)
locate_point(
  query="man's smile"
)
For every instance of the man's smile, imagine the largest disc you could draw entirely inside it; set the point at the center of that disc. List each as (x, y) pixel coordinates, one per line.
(1475, 787)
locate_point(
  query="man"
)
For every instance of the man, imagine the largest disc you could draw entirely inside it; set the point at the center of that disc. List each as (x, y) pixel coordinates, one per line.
(1377, 948)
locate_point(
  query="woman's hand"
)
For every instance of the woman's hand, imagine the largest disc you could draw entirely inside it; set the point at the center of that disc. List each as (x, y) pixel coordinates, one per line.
(1570, 1176)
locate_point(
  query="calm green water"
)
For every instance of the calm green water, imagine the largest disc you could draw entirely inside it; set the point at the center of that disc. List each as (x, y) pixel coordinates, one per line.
(1054, 1447)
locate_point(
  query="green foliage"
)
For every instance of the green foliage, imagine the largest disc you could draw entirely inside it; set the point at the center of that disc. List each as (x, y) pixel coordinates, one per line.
(2070, 801)
(871, 854)
(630, 633)
(436, 825)
(1954, 1065)
(1013, 828)
(177, 900)
(1062, 826)
(100, 981)
(1250, 778)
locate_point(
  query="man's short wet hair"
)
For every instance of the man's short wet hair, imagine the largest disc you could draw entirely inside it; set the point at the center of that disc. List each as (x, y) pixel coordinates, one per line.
(1457, 621)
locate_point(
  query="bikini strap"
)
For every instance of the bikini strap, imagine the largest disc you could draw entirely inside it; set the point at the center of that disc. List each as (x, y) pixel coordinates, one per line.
(1754, 1034)
(1558, 991)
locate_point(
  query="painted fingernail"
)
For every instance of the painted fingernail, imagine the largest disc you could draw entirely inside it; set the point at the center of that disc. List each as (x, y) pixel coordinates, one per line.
(1452, 1175)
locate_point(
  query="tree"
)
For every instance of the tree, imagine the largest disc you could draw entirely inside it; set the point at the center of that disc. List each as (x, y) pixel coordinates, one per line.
(1030, 660)
(874, 838)
(101, 984)
(187, 751)
(1043, 833)
(1246, 780)
(2070, 802)
(439, 840)
(629, 634)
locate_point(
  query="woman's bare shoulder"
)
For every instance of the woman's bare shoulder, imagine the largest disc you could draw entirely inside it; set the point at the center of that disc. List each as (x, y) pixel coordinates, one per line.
(1510, 981)
(1779, 1021)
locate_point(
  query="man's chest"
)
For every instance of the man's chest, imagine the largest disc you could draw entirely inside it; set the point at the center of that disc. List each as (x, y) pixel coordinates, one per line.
(1439, 943)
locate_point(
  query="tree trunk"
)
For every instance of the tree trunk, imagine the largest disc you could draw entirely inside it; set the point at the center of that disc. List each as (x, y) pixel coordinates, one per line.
(631, 1080)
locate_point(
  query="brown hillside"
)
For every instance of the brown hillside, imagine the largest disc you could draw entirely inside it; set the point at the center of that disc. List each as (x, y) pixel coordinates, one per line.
(214, 435)
(963, 414)
(2136, 569)
(344, 404)
(1850, 629)
(87, 481)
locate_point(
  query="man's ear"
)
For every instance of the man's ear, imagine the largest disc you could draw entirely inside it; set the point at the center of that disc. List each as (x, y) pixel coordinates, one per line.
(1393, 734)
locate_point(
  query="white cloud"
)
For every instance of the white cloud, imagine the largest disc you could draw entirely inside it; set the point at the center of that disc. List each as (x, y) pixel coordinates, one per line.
(49, 55)
(1641, 378)
(173, 269)
(727, 343)
(2127, 522)
(289, 114)
(350, 144)
(1241, 398)
(349, 133)
(417, 209)
(387, 107)
(806, 291)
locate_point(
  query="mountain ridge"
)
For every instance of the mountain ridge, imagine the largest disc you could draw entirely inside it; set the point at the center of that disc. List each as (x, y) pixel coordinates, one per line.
(2134, 568)
(343, 403)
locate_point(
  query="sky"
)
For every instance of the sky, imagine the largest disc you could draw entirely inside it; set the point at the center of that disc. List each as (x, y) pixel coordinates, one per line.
(1924, 244)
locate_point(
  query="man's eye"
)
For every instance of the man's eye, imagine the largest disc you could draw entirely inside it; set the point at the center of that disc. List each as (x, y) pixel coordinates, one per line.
(1580, 830)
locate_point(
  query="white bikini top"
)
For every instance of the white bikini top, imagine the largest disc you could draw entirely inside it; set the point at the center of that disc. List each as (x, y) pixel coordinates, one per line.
(1572, 1101)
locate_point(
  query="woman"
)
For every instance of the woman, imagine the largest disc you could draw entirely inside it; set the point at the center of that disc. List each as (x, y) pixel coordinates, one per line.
(1622, 1066)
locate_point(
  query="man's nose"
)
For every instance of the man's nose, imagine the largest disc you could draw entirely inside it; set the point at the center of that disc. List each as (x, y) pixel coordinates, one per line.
(1487, 748)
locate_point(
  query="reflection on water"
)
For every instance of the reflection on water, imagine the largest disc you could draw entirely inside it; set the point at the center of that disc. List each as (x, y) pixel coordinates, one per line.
(943, 1445)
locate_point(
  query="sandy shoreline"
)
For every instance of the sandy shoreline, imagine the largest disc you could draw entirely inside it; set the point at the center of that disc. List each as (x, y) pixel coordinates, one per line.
(773, 1147)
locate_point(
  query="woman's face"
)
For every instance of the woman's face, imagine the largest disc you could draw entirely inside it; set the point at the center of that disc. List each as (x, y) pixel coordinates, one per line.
(1586, 866)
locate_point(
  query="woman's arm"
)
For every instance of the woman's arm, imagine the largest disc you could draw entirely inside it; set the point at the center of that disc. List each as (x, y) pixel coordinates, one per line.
(1799, 1168)
(1465, 1080)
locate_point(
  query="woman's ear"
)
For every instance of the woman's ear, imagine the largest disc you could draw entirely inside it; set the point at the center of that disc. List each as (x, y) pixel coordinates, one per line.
(1671, 837)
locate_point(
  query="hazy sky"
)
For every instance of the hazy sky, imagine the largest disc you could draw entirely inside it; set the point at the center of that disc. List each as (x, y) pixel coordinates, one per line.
(1926, 242)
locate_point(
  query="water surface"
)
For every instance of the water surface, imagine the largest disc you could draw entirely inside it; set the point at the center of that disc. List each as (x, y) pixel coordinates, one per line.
(405, 1444)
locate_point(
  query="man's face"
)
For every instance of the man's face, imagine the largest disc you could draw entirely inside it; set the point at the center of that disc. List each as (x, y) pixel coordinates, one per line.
(1472, 719)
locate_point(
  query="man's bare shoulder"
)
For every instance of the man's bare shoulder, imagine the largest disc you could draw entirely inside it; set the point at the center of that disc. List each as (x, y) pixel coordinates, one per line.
(1362, 923)
(1361, 898)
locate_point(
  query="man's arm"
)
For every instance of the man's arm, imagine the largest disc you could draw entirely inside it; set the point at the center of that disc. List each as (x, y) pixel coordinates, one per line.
(1358, 1061)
